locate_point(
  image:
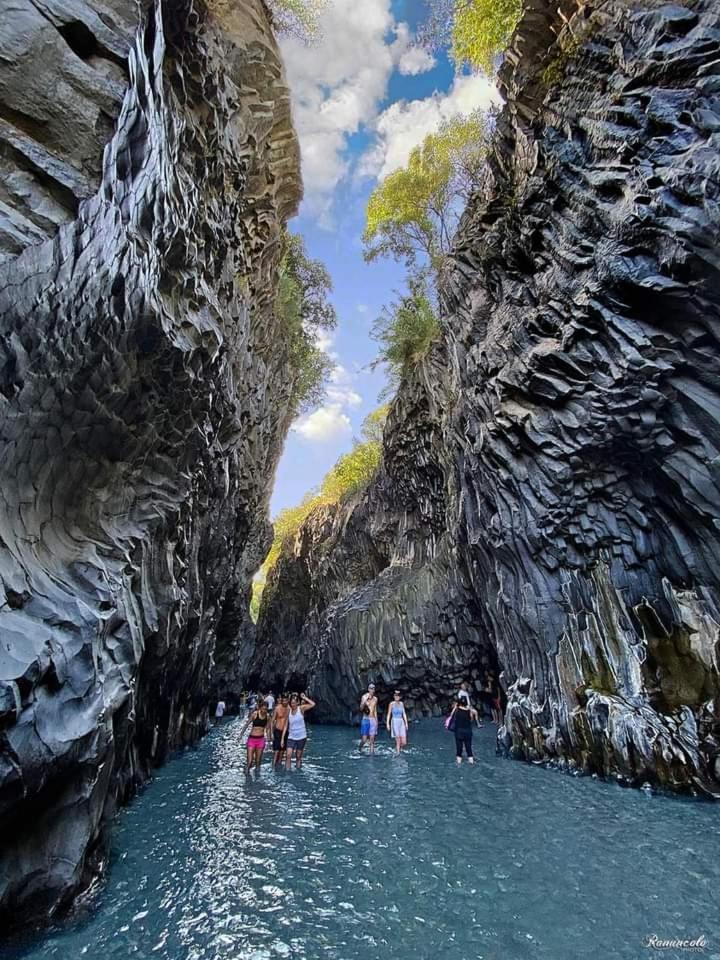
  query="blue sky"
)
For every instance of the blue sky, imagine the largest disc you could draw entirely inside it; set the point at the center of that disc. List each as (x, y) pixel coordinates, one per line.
(363, 97)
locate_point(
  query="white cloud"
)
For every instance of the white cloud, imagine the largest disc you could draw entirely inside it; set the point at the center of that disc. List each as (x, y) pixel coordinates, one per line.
(336, 87)
(414, 61)
(362, 308)
(406, 123)
(324, 425)
(331, 421)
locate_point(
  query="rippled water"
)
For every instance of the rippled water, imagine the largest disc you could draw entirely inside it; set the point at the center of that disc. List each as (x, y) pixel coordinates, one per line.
(404, 857)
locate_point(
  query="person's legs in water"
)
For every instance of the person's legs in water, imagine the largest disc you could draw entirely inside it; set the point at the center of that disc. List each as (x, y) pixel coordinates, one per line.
(464, 740)
(289, 753)
(373, 733)
(364, 732)
(277, 747)
(299, 751)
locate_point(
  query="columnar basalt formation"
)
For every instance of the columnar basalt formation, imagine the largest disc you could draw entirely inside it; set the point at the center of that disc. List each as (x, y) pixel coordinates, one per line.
(574, 426)
(144, 399)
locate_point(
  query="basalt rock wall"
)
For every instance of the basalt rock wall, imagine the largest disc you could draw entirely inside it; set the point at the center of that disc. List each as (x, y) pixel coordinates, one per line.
(143, 399)
(572, 422)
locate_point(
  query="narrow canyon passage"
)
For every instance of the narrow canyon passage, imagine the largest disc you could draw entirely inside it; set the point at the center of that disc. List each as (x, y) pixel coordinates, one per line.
(359, 857)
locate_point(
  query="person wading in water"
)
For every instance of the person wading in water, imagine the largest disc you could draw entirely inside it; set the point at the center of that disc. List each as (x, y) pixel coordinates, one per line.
(279, 728)
(257, 721)
(369, 723)
(397, 721)
(297, 731)
(464, 715)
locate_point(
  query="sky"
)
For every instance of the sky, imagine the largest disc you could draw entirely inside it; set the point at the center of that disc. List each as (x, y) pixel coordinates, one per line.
(363, 96)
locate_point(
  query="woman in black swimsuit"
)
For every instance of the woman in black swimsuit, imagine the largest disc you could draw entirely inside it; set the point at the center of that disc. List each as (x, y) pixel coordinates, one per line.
(257, 721)
(464, 716)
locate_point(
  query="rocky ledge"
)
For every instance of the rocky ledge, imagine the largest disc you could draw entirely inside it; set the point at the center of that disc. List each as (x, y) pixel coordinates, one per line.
(143, 399)
(548, 499)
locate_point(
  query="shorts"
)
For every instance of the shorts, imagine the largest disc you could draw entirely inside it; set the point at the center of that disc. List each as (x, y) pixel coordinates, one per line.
(256, 743)
(368, 727)
(398, 728)
(277, 739)
(297, 744)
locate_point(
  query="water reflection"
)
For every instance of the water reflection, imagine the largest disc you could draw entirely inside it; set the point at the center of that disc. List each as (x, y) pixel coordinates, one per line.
(405, 857)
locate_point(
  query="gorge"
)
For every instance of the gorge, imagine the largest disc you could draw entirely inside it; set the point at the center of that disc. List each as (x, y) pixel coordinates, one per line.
(547, 499)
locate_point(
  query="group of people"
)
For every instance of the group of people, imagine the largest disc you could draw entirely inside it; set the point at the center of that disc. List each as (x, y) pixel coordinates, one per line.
(282, 722)
(396, 720)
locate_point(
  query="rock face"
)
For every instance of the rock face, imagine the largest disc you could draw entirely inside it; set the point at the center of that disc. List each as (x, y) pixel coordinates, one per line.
(549, 493)
(143, 399)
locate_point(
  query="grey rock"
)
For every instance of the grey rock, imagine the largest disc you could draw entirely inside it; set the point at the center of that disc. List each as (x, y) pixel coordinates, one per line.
(143, 402)
(549, 487)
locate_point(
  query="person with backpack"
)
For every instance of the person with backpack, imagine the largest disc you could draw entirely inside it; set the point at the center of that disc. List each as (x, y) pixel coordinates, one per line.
(460, 722)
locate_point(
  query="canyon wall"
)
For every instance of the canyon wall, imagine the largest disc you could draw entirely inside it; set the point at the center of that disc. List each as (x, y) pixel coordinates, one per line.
(548, 499)
(148, 168)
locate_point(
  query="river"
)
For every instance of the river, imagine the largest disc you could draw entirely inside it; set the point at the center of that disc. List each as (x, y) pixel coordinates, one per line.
(402, 858)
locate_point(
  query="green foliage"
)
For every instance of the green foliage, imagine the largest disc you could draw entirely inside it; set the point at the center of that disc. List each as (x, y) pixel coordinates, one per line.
(304, 309)
(405, 331)
(256, 598)
(297, 18)
(476, 31)
(374, 424)
(482, 30)
(413, 213)
(352, 472)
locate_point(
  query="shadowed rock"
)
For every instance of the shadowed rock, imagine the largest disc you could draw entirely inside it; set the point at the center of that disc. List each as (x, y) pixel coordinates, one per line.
(143, 401)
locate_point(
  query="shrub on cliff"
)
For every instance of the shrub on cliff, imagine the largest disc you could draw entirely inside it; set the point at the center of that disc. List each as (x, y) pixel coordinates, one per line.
(302, 304)
(296, 18)
(405, 331)
(476, 31)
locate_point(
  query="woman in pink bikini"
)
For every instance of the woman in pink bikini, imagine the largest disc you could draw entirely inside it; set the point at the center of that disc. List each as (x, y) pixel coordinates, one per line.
(257, 721)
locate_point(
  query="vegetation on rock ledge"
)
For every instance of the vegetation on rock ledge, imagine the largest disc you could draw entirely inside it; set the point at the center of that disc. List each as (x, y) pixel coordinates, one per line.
(352, 472)
(303, 306)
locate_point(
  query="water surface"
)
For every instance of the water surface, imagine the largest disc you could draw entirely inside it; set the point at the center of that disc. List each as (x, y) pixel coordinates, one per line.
(402, 858)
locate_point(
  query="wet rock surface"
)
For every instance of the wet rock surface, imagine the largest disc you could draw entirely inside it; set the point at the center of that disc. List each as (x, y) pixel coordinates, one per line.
(143, 401)
(556, 504)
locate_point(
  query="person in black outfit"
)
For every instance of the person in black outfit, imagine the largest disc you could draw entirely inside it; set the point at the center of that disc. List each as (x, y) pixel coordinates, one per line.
(464, 715)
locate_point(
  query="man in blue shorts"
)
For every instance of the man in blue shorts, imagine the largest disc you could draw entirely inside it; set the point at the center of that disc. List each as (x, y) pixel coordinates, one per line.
(368, 723)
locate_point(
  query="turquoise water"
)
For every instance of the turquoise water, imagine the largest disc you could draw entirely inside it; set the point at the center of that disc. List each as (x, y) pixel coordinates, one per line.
(397, 858)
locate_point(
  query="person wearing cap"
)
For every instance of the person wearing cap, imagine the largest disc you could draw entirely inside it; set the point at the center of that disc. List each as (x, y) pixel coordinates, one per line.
(369, 722)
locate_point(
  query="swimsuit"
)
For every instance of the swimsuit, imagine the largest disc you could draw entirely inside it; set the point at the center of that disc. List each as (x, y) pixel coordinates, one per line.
(397, 723)
(368, 727)
(463, 732)
(297, 731)
(257, 742)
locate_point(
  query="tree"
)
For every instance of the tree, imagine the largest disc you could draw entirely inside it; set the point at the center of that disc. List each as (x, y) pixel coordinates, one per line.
(476, 31)
(405, 331)
(303, 306)
(413, 213)
(296, 18)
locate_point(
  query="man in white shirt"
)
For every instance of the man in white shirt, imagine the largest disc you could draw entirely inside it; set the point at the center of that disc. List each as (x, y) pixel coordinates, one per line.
(270, 701)
(220, 711)
(463, 693)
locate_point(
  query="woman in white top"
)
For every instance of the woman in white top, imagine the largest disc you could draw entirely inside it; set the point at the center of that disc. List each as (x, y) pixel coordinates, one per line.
(297, 731)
